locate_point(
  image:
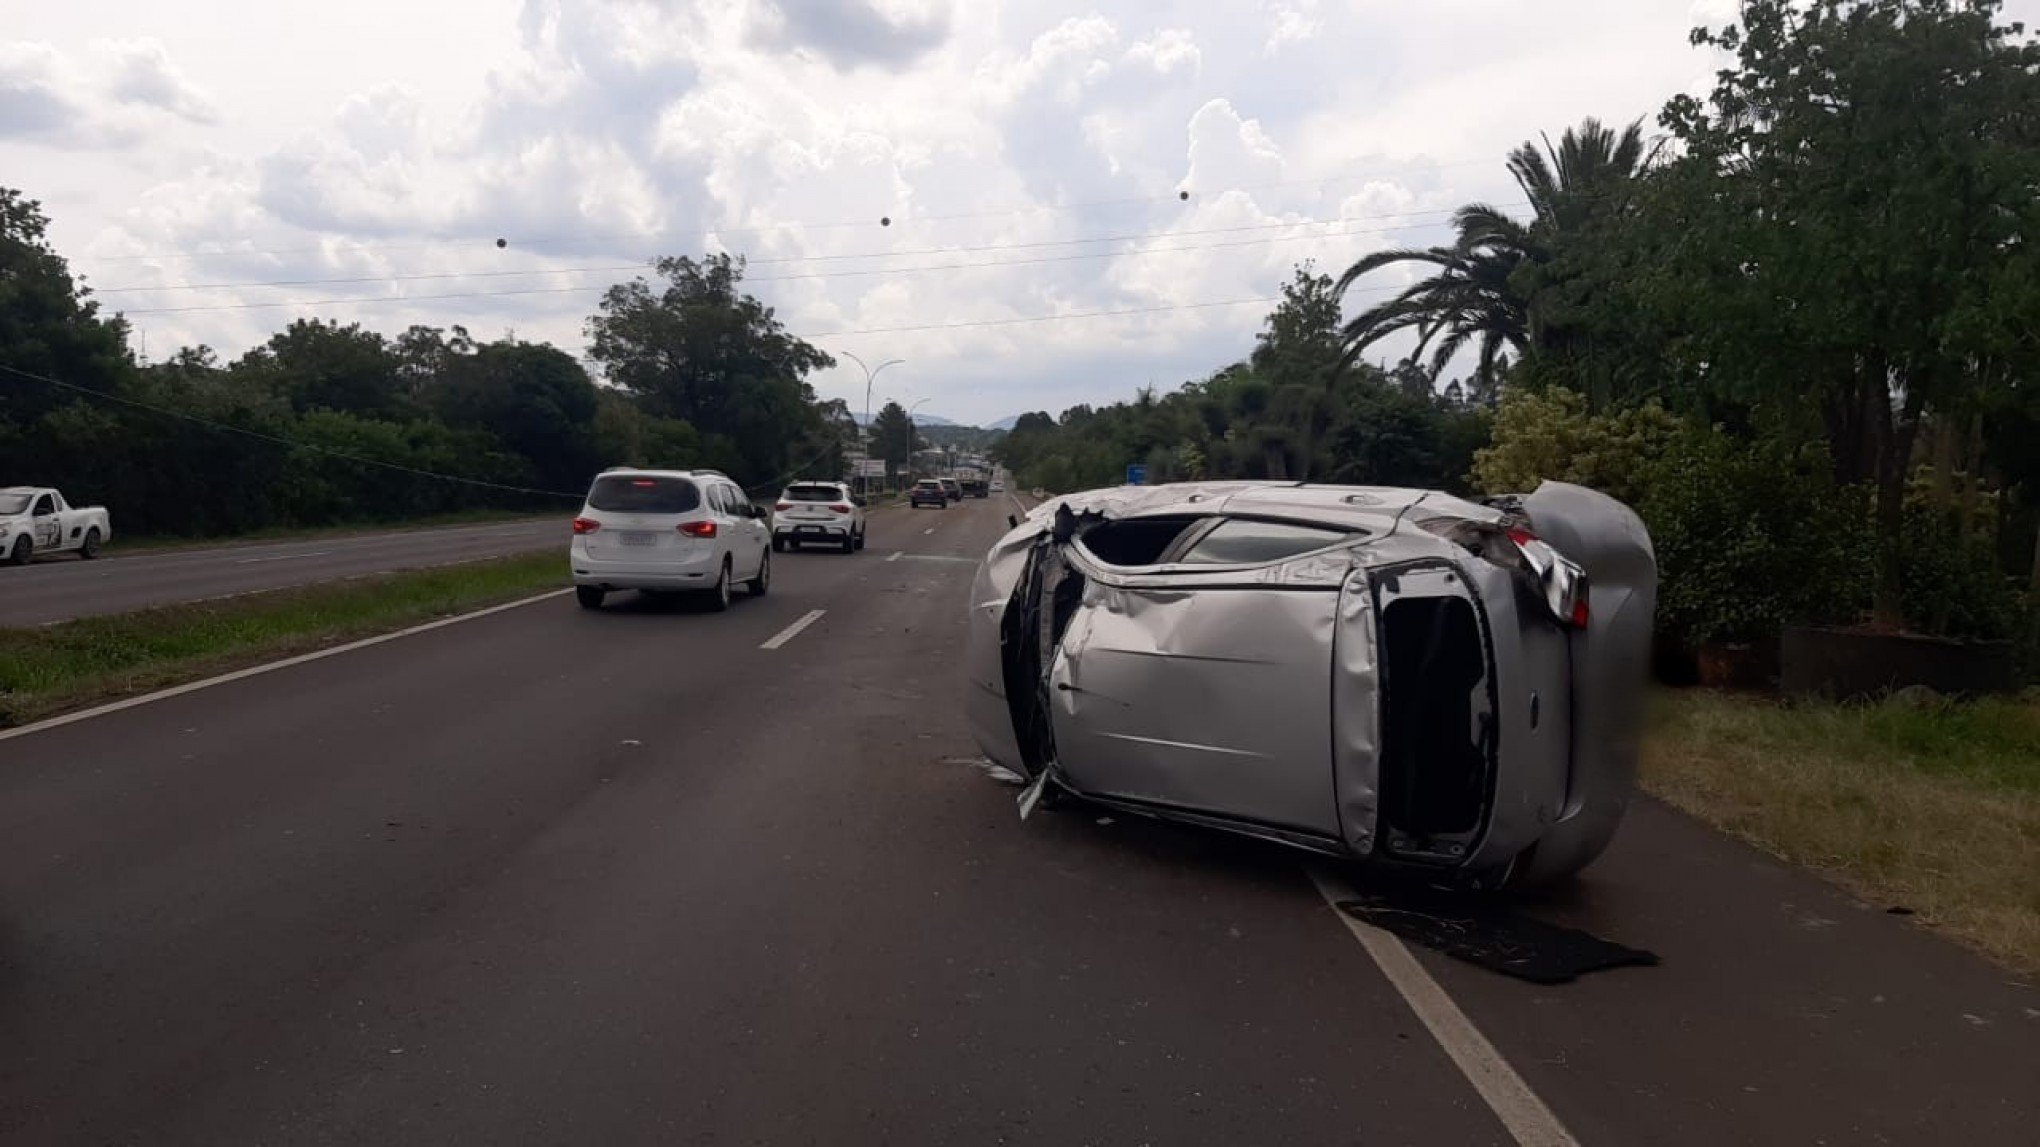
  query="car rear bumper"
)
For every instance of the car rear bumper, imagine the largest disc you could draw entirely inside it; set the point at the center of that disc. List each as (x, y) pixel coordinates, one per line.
(694, 573)
(812, 531)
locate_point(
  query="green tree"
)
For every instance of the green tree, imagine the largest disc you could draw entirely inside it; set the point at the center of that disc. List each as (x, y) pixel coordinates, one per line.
(1498, 286)
(700, 349)
(319, 365)
(49, 323)
(1859, 227)
(892, 438)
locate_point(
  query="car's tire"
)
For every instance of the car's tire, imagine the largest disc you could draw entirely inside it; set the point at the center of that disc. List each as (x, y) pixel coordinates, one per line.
(778, 545)
(860, 539)
(22, 553)
(89, 548)
(849, 544)
(762, 584)
(589, 596)
(718, 599)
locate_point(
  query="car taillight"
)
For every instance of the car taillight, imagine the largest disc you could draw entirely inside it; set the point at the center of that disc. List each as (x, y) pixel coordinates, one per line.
(1564, 583)
(841, 509)
(698, 529)
(1557, 579)
(586, 525)
(782, 505)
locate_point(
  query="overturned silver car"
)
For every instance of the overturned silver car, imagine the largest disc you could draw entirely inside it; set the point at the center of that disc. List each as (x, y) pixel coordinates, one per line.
(1393, 675)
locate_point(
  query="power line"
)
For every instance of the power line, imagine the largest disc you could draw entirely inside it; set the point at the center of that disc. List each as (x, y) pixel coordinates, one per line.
(1052, 318)
(1137, 236)
(1173, 196)
(856, 273)
(242, 430)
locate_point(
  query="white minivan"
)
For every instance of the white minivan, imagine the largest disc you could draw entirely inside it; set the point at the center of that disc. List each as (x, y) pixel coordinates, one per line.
(664, 530)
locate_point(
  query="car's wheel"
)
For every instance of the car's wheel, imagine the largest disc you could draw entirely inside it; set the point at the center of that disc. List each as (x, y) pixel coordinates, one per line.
(758, 586)
(89, 548)
(22, 553)
(849, 544)
(589, 596)
(778, 545)
(860, 539)
(719, 597)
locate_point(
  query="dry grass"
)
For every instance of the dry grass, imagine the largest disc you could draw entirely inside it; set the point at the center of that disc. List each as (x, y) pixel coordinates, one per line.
(1914, 801)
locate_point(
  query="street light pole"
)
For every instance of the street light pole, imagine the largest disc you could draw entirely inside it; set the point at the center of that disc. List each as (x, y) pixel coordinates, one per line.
(864, 430)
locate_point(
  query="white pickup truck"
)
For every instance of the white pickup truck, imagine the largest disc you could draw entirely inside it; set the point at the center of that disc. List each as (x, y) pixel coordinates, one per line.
(36, 520)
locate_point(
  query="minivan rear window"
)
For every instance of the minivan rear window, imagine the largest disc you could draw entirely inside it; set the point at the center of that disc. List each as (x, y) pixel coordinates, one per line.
(643, 494)
(813, 494)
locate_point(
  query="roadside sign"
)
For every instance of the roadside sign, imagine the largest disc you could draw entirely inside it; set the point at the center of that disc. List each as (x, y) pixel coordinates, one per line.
(871, 468)
(1136, 475)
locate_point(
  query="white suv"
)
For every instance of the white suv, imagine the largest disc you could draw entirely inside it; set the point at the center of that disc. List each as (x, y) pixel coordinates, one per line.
(669, 530)
(825, 513)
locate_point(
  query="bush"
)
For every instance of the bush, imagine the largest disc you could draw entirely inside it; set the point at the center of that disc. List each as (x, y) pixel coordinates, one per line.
(1751, 537)
(1550, 434)
(1950, 583)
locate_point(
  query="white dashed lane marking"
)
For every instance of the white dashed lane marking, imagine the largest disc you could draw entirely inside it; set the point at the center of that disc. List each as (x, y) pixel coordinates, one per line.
(793, 631)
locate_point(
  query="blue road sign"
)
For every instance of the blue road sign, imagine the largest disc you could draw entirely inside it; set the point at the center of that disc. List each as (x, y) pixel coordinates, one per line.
(1136, 475)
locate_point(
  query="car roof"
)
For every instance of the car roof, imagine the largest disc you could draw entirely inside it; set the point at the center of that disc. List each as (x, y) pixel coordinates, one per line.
(20, 489)
(634, 472)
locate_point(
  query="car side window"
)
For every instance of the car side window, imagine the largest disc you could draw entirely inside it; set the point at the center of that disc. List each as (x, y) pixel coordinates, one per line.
(1241, 541)
(740, 506)
(719, 497)
(44, 505)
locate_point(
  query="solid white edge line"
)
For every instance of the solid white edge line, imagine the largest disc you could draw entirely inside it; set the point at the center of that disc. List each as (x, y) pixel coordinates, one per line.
(1526, 1117)
(269, 667)
(896, 554)
(793, 631)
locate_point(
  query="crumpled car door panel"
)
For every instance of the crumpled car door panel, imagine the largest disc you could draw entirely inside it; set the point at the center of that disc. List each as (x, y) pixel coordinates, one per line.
(1215, 700)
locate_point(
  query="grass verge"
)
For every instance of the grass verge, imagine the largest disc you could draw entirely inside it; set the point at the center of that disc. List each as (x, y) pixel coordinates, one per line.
(78, 663)
(164, 543)
(1916, 801)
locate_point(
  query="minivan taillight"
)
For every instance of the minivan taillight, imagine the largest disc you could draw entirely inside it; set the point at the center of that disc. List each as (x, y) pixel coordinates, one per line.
(586, 525)
(698, 529)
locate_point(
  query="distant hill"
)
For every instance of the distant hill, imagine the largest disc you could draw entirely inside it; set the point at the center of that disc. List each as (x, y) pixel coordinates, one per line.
(1005, 423)
(919, 419)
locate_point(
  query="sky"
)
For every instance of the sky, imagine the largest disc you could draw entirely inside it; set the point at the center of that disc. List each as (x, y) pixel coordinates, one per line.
(1030, 204)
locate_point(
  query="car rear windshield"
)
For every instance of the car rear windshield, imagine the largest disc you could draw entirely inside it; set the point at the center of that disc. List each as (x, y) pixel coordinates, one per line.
(1243, 542)
(13, 503)
(643, 494)
(813, 494)
(928, 484)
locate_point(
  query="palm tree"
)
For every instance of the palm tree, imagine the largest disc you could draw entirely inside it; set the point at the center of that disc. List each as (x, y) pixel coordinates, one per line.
(1483, 291)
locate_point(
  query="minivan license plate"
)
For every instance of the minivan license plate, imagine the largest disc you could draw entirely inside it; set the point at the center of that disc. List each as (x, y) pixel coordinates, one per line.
(638, 538)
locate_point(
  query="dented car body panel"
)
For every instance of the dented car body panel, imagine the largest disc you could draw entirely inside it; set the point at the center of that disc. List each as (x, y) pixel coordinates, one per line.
(1400, 676)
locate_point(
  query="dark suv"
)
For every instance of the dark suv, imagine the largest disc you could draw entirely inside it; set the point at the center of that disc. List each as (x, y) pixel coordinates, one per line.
(928, 492)
(976, 488)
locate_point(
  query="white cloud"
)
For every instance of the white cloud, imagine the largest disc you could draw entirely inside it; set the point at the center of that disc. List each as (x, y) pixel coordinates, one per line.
(1290, 23)
(104, 94)
(1028, 155)
(1167, 51)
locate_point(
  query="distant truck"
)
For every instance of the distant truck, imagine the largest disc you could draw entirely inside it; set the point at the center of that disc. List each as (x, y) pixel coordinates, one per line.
(36, 520)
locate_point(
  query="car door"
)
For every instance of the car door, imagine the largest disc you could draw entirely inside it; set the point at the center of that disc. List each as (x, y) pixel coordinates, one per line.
(1198, 685)
(47, 527)
(748, 539)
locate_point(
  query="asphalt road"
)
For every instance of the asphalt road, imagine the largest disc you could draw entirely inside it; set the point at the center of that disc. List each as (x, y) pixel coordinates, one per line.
(62, 587)
(628, 877)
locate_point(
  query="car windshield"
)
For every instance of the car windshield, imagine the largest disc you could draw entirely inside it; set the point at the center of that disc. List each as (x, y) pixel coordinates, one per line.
(13, 503)
(643, 494)
(813, 494)
(928, 484)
